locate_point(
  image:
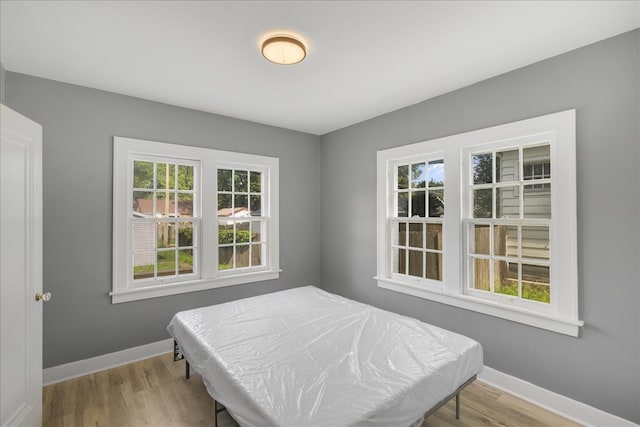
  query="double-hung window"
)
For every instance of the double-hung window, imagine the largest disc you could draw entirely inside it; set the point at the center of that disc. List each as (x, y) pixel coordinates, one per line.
(416, 222)
(241, 240)
(188, 219)
(164, 215)
(505, 242)
(507, 223)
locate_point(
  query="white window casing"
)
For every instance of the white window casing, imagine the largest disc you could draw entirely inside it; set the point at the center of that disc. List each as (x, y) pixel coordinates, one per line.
(205, 275)
(558, 131)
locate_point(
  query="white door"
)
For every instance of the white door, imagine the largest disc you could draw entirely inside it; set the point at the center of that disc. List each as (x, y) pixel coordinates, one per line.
(20, 270)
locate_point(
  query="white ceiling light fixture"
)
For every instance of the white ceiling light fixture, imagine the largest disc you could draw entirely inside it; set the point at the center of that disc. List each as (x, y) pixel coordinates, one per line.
(284, 49)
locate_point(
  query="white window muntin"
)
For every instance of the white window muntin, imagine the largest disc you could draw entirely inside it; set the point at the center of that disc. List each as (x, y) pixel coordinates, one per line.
(141, 283)
(406, 246)
(536, 306)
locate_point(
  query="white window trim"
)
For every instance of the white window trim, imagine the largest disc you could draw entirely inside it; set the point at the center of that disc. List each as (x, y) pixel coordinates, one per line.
(123, 289)
(562, 316)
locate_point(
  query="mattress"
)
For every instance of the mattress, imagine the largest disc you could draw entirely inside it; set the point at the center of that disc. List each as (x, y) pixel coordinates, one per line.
(306, 357)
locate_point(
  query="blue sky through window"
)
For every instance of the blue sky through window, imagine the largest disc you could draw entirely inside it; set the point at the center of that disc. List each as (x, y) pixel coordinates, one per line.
(436, 171)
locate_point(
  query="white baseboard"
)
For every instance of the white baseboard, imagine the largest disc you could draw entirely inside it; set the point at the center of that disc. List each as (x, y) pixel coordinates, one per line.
(80, 368)
(568, 408)
(554, 402)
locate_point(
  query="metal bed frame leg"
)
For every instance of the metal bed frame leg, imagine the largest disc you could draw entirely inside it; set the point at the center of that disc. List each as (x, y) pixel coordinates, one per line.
(455, 394)
(215, 412)
(178, 355)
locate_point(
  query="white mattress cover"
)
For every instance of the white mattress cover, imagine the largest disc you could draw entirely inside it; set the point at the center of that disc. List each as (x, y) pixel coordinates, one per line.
(305, 357)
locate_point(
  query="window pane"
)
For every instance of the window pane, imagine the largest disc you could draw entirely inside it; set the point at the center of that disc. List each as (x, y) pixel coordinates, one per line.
(434, 266)
(185, 205)
(507, 166)
(256, 205)
(255, 182)
(505, 240)
(242, 232)
(403, 177)
(417, 204)
(240, 181)
(527, 171)
(224, 180)
(143, 204)
(535, 242)
(142, 174)
(505, 278)
(508, 202)
(166, 263)
(436, 173)
(436, 203)
(256, 255)
(224, 205)
(481, 274)
(165, 176)
(482, 168)
(242, 256)
(143, 265)
(403, 204)
(399, 261)
(225, 258)
(482, 203)
(256, 234)
(165, 204)
(185, 177)
(415, 263)
(537, 201)
(185, 234)
(415, 235)
(143, 236)
(480, 239)
(241, 205)
(166, 235)
(185, 261)
(400, 235)
(434, 237)
(537, 160)
(535, 283)
(225, 234)
(418, 175)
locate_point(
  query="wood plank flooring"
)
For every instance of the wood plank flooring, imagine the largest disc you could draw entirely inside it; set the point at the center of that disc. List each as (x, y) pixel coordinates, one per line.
(154, 392)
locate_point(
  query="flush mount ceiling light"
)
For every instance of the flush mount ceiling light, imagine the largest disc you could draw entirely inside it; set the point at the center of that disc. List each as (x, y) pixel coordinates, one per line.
(283, 49)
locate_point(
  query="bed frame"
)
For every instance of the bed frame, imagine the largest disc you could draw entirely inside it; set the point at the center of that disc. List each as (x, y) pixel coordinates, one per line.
(217, 408)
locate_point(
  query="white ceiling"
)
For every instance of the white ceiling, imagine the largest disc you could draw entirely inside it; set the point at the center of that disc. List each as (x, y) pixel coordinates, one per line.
(365, 58)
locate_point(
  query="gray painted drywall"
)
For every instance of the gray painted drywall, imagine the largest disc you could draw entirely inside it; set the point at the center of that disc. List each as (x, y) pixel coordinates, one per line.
(601, 367)
(79, 124)
(2, 80)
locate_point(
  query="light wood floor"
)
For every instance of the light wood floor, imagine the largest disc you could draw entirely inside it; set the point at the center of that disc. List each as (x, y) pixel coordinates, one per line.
(154, 392)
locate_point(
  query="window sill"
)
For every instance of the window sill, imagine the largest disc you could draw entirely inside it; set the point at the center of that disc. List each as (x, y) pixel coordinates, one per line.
(154, 291)
(556, 324)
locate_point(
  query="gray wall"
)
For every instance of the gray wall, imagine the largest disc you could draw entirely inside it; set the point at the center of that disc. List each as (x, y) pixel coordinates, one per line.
(601, 367)
(79, 125)
(2, 80)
